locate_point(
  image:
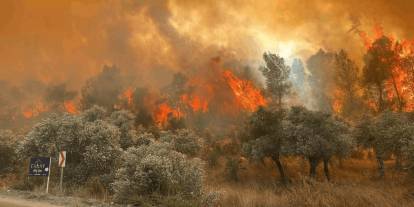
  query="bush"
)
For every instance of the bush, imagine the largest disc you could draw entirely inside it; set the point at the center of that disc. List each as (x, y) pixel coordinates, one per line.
(92, 147)
(157, 169)
(184, 140)
(8, 154)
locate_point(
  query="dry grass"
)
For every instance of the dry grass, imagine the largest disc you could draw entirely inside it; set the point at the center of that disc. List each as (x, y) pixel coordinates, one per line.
(313, 193)
(354, 184)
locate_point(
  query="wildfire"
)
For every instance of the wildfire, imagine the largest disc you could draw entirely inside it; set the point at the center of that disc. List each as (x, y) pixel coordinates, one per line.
(196, 103)
(247, 95)
(70, 107)
(127, 95)
(34, 111)
(165, 112)
(399, 87)
(337, 102)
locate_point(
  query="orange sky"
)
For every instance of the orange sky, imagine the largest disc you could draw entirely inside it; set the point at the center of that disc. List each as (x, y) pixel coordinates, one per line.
(69, 41)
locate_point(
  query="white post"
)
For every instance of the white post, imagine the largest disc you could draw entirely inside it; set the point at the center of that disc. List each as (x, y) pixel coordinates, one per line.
(48, 176)
(61, 179)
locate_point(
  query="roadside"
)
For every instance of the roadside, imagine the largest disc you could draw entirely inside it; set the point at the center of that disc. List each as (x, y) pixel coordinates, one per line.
(13, 198)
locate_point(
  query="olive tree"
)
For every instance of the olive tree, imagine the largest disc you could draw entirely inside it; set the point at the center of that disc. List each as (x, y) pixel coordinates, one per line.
(92, 147)
(124, 120)
(388, 134)
(316, 136)
(265, 137)
(156, 168)
(185, 141)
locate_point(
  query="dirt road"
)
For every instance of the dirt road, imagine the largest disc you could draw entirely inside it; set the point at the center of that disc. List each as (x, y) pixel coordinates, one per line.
(18, 202)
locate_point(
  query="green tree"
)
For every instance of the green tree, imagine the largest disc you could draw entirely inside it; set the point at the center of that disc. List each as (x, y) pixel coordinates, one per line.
(388, 133)
(316, 136)
(265, 138)
(276, 73)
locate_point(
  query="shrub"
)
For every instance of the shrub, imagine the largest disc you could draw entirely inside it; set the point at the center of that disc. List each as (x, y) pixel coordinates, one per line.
(92, 147)
(157, 169)
(8, 154)
(183, 140)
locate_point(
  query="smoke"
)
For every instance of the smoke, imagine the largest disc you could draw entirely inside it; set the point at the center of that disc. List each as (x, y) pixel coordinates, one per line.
(47, 43)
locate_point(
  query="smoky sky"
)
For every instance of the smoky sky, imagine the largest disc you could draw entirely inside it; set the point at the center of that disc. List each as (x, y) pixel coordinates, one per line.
(69, 41)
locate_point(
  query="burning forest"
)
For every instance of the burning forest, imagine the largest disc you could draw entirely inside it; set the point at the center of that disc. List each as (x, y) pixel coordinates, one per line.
(190, 103)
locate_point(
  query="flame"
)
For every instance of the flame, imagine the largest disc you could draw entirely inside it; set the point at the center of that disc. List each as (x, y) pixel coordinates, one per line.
(249, 97)
(34, 111)
(338, 101)
(70, 107)
(164, 112)
(127, 94)
(195, 102)
(399, 88)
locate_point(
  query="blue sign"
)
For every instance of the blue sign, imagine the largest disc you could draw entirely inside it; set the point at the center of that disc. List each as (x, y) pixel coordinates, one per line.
(39, 166)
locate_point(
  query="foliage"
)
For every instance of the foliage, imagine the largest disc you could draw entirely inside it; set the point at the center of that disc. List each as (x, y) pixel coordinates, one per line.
(276, 73)
(8, 156)
(124, 120)
(317, 134)
(92, 147)
(265, 137)
(157, 169)
(346, 79)
(185, 141)
(94, 113)
(379, 61)
(388, 133)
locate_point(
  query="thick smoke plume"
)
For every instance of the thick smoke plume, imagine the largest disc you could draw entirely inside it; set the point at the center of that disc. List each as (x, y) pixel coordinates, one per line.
(52, 52)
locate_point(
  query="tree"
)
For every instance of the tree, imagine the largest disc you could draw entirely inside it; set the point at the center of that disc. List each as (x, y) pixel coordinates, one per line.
(124, 120)
(92, 147)
(379, 61)
(157, 169)
(346, 79)
(316, 136)
(185, 141)
(276, 73)
(8, 156)
(265, 137)
(388, 133)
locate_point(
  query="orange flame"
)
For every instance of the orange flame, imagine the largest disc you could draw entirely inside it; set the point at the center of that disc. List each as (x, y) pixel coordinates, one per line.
(338, 101)
(127, 94)
(70, 107)
(34, 111)
(164, 112)
(246, 94)
(196, 103)
(400, 87)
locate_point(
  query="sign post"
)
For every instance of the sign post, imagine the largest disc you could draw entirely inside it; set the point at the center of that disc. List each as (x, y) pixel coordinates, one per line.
(40, 166)
(62, 163)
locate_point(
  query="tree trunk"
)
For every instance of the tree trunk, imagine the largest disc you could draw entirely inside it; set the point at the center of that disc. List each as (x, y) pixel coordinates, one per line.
(398, 162)
(279, 165)
(380, 100)
(381, 169)
(326, 168)
(394, 83)
(313, 163)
